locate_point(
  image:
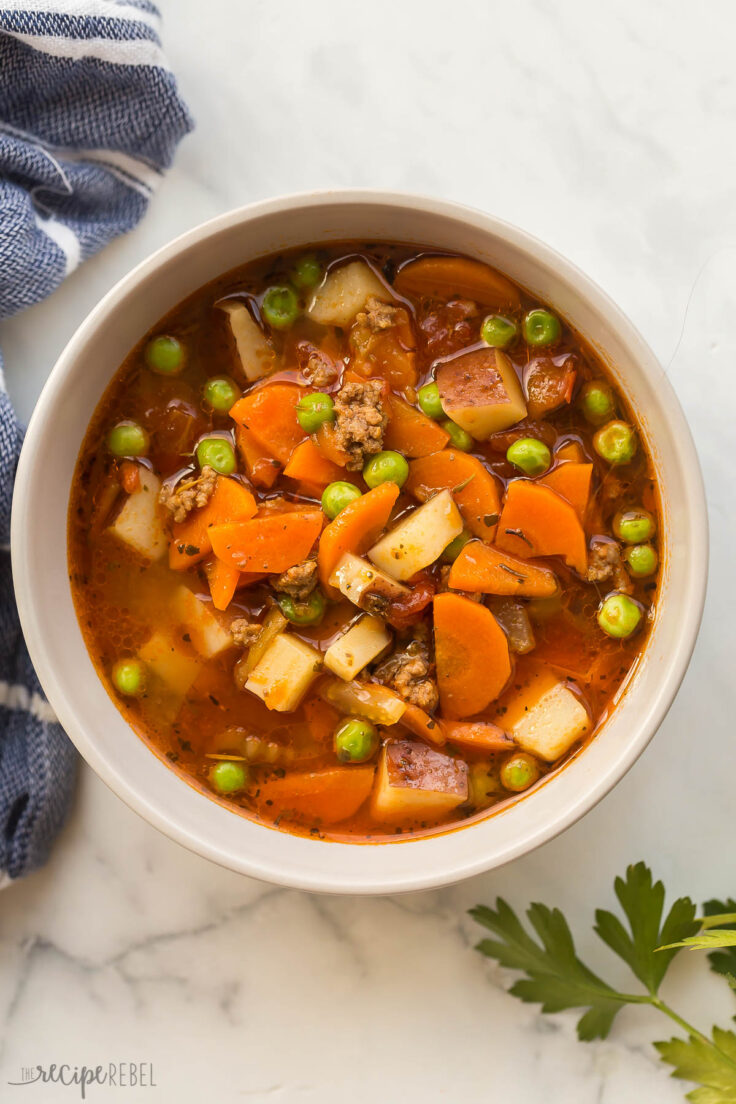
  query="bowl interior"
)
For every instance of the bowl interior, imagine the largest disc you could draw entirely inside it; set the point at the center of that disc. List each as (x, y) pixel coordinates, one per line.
(49, 620)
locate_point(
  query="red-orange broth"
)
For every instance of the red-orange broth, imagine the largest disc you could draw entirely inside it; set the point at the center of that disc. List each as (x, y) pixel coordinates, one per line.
(480, 694)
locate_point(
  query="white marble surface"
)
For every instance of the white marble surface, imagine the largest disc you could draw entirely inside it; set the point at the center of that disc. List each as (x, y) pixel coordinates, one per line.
(608, 131)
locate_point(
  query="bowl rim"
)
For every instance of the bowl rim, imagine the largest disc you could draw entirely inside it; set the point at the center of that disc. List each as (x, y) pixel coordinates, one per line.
(423, 875)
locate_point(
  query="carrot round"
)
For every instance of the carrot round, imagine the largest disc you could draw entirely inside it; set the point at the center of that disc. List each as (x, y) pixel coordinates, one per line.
(482, 736)
(485, 570)
(223, 582)
(262, 468)
(231, 501)
(450, 277)
(421, 724)
(355, 528)
(410, 431)
(272, 543)
(327, 443)
(536, 521)
(328, 795)
(476, 495)
(471, 653)
(309, 465)
(572, 481)
(270, 414)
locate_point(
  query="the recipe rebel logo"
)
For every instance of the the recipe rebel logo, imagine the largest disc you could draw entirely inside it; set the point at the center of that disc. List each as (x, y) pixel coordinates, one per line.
(113, 1075)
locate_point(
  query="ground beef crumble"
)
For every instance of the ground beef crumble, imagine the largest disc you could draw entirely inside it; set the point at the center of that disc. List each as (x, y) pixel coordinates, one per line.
(605, 565)
(244, 632)
(191, 494)
(360, 421)
(378, 315)
(299, 581)
(409, 672)
(315, 365)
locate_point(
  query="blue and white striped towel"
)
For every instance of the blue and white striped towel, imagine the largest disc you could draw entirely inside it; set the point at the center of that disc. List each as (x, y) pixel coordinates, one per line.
(90, 118)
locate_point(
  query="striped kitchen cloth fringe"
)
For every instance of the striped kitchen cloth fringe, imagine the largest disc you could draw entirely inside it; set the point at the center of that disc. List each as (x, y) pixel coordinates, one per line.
(90, 118)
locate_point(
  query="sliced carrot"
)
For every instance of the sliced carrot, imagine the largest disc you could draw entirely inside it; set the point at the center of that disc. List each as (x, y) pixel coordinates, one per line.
(410, 431)
(422, 725)
(476, 495)
(571, 450)
(536, 521)
(309, 465)
(269, 413)
(355, 529)
(480, 736)
(453, 277)
(471, 653)
(271, 544)
(481, 569)
(223, 582)
(326, 442)
(572, 481)
(130, 476)
(262, 468)
(231, 501)
(328, 795)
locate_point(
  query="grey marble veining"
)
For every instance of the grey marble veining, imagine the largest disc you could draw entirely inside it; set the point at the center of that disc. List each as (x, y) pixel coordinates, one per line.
(609, 133)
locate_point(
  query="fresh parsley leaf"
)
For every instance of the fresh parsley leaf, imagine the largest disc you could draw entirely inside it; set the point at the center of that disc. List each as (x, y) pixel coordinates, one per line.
(723, 961)
(712, 1066)
(556, 978)
(642, 900)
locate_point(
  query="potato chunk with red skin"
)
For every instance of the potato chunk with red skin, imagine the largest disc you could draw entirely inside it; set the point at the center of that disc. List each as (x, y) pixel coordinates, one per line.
(548, 384)
(415, 781)
(480, 392)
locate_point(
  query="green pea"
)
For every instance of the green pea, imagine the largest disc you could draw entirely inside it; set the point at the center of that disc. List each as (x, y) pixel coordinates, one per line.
(519, 772)
(597, 402)
(455, 547)
(634, 526)
(497, 331)
(529, 455)
(309, 612)
(280, 307)
(307, 272)
(314, 410)
(228, 777)
(221, 393)
(619, 615)
(429, 401)
(217, 453)
(615, 442)
(356, 740)
(541, 327)
(165, 355)
(386, 467)
(129, 677)
(641, 560)
(128, 439)
(459, 437)
(336, 496)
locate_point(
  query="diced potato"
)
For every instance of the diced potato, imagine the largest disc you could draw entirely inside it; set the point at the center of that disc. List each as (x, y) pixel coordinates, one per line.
(546, 718)
(164, 657)
(284, 673)
(207, 634)
(363, 584)
(375, 703)
(344, 292)
(357, 647)
(139, 523)
(419, 539)
(416, 781)
(481, 392)
(273, 624)
(257, 358)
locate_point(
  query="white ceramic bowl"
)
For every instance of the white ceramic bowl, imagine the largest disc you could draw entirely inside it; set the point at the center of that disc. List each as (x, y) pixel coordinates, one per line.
(44, 599)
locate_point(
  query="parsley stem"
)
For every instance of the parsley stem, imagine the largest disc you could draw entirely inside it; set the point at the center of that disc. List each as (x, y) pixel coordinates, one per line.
(658, 1003)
